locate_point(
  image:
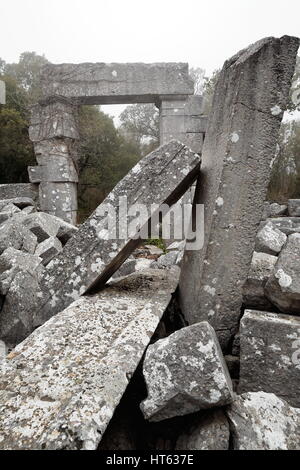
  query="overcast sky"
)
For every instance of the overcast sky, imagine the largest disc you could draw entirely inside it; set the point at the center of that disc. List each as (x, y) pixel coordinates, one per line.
(202, 33)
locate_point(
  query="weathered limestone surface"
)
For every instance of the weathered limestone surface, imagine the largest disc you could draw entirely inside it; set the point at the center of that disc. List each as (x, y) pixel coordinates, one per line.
(11, 262)
(48, 249)
(60, 387)
(54, 132)
(20, 202)
(262, 266)
(100, 83)
(262, 421)
(11, 191)
(96, 251)
(270, 359)
(283, 287)
(294, 207)
(270, 240)
(249, 100)
(184, 373)
(182, 119)
(210, 432)
(287, 225)
(273, 210)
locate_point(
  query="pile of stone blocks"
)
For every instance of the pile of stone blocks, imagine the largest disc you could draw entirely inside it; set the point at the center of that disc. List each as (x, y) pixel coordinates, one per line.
(191, 374)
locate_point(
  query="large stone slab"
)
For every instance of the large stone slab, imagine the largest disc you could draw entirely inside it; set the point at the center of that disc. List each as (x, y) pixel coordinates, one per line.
(11, 191)
(185, 373)
(283, 286)
(270, 359)
(100, 83)
(262, 421)
(249, 100)
(97, 250)
(294, 207)
(60, 387)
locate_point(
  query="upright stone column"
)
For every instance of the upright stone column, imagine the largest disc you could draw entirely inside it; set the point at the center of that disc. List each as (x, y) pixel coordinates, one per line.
(249, 100)
(54, 134)
(182, 119)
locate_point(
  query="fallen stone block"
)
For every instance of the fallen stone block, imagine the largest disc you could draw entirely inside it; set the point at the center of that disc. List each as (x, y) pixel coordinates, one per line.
(11, 209)
(287, 225)
(270, 359)
(185, 373)
(22, 190)
(270, 240)
(94, 347)
(273, 210)
(48, 249)
(262, 266)
(165, 261)
(11, 234)
(283, 286)
(262, 421)
(4, 216)
(208, 432)
(294, 207)
(20, 202)
(16, 319)
(11, 262)
(154, 250)
(176, 246)
(102, 244)
(250, 97)
(42, 225)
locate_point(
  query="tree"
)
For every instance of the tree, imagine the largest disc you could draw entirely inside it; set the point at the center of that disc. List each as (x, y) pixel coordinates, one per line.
(140, 125)
(197, 74)
(105, 157)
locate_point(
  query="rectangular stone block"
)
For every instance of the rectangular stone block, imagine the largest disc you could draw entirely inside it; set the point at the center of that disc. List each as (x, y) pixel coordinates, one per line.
(58, 197)
(53, 119)
(12, 191)
(270, 355)
(103, 243)
(100, 83)
(250, 96)
(56, 171)
(94, 347)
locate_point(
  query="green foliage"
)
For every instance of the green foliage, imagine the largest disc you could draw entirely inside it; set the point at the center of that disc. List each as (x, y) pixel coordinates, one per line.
(105, 158)
(159, 242)
(140, 125)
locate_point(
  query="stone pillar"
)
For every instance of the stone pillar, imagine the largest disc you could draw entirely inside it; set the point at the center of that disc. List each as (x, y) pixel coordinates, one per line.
(54, 133)
(250, 97)
(182, 119)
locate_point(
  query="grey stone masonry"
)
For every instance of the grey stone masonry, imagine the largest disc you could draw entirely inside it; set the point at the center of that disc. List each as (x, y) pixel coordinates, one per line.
(102, 243)
(185, 373)
(182, 119)
(294, 207)
(270, 356)
(250, 98)
(12, 191)
(262, 421)
(60, 387)
(54, 133)
(100, 83)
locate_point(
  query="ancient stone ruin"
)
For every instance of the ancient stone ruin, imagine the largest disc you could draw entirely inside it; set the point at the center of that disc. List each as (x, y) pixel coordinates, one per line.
(108, 343)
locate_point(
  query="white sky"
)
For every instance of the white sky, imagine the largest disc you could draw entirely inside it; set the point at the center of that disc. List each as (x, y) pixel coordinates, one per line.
(202, 33)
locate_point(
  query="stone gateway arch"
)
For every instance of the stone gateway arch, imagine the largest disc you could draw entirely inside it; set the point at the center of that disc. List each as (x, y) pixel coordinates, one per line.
(54, 132)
